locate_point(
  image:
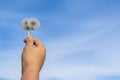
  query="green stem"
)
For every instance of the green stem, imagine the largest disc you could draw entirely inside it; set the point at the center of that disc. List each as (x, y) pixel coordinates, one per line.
(29, 34)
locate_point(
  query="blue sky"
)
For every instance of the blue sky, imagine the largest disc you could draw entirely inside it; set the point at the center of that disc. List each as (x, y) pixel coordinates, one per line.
(81, 37)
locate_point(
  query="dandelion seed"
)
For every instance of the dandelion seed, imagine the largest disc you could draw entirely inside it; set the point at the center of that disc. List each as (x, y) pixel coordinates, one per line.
(30, 24)
(34, 23)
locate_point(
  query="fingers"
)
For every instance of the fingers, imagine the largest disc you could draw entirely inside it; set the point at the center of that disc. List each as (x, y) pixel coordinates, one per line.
(37, 42)
(29, 41)
(33, 42)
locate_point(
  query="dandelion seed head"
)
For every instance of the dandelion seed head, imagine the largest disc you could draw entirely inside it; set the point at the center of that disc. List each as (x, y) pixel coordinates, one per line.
(33, 23)
(30, 23)
(25, 23)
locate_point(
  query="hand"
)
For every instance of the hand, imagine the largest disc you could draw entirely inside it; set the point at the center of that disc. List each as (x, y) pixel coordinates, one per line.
(33, 57)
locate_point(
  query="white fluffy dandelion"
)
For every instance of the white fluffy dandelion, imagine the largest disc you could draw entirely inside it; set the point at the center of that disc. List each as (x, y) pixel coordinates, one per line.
(30, 24)
(34, 23)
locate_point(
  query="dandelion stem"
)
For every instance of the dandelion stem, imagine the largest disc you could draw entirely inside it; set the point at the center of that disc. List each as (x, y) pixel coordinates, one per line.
(30, 31)
(29, 34)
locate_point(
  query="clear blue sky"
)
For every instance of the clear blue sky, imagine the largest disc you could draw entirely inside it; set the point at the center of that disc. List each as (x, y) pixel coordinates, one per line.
(82, 38)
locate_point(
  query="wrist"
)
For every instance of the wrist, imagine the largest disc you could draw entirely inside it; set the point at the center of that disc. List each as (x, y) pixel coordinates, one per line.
(30, 73)
(30, 68)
